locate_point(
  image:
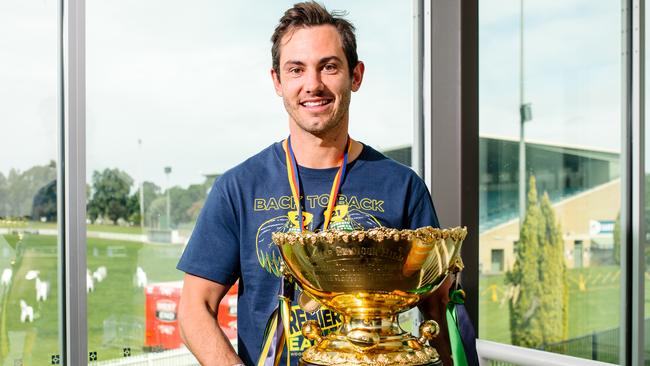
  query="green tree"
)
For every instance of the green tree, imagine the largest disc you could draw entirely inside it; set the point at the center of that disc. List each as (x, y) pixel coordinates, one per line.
(4, 195)
(539, 314)
(184, 201)
(21, 187)
(110, 194)
(45, 203)
(525, 324)
(156, 211)
(133, 208)
(554, 309)
(151, 193)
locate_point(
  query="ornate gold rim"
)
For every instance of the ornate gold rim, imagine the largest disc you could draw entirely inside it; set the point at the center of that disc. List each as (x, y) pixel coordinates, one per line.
(426, 233)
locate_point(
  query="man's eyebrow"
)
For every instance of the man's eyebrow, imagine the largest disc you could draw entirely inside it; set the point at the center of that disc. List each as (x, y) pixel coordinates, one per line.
(330, 58)
(293, 62)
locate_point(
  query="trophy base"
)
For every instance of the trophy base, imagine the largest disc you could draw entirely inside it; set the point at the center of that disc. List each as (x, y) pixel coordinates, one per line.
(398, 349)
(306, 363)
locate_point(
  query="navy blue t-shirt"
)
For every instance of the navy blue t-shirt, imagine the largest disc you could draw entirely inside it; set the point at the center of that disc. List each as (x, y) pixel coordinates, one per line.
(232, 236)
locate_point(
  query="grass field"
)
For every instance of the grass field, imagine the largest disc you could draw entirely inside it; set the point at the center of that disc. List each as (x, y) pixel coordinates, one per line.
(594, 303)
(115, 307)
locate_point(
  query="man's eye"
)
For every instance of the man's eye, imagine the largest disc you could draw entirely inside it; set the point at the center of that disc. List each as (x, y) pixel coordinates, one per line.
(295, 70)
(330, 67)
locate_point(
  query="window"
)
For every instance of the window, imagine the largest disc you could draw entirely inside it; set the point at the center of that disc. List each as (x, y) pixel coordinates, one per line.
(497, 260)
(176, 95)
(561, 83)
(29, 120)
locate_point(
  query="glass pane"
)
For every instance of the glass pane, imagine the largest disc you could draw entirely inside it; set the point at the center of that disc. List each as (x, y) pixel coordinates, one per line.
(176, 95)
(29, 123)
(553, 282)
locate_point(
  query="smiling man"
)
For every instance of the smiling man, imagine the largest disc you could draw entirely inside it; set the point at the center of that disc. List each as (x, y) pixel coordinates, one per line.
(318, 178)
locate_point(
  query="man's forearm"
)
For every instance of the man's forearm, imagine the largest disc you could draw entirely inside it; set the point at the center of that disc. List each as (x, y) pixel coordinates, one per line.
(206, 340)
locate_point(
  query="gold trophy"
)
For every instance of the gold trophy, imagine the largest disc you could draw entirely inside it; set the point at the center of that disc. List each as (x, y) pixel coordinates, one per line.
(369, 277)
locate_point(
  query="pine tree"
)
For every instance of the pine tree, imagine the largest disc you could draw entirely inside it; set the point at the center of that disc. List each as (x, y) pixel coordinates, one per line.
(539, 310)
(552, 272)
(525, 324)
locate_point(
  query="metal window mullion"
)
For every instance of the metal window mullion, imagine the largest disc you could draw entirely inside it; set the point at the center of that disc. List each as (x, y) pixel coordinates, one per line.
(638, 186)
(451, 125)
(633, 184)
(417, 152)
(626, 191)
(73, 310)
(427, 70)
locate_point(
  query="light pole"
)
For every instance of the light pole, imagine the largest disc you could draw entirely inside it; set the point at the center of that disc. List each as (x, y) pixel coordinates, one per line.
(141, 187)
(168, 170)
(525, 114)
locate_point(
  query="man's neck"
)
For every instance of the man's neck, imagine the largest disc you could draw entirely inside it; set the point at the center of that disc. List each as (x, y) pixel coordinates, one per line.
(320, 153)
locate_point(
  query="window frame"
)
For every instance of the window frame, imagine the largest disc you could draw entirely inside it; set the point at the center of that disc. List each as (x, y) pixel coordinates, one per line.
(71, 193)
(451, 29)
(633, 183)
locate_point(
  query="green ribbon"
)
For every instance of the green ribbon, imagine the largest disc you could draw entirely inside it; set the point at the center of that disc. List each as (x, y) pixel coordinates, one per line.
(455, 340)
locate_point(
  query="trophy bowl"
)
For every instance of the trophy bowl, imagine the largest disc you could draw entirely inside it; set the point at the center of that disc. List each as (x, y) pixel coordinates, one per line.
(369, 277)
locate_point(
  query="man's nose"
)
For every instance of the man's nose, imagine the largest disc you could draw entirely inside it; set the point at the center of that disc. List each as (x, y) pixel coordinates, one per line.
(313, 82)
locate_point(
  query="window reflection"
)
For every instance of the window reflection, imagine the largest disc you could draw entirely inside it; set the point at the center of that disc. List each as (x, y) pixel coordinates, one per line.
(552, 281)
(29, 288)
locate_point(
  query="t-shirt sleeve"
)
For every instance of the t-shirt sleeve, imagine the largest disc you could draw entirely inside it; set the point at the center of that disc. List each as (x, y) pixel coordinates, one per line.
(213, 249)
(421, 211)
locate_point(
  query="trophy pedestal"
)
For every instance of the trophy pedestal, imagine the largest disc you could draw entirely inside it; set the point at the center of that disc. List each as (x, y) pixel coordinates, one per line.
(305, 363)
(370, 342)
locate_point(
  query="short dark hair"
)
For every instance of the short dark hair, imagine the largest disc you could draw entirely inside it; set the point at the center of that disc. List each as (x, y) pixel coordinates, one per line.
(309, 14)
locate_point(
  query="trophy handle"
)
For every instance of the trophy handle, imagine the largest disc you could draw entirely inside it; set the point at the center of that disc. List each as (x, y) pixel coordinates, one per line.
(308, 303)
(456, 265)
(284, 269)
(429, 330)
(311, 330)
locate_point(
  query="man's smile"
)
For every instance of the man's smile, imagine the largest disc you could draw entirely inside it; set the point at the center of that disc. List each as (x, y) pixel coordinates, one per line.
(314, 103)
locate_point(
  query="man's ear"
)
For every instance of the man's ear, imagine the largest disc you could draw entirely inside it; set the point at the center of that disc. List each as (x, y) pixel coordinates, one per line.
(276, 82)
(357, 76)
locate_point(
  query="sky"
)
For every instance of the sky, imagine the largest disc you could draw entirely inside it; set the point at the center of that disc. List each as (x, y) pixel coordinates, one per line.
(191, 80)
(572, 71)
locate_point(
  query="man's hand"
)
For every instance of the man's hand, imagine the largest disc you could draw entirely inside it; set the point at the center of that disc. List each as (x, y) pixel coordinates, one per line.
(434, 307)
(197, 317)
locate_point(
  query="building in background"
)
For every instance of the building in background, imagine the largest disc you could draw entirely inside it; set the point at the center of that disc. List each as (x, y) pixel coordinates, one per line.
(574, 178)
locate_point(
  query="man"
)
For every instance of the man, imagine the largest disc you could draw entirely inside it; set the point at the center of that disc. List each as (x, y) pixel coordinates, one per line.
(315, 70)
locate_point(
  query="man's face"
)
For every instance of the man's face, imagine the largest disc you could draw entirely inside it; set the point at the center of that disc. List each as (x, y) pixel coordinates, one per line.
(314, 80)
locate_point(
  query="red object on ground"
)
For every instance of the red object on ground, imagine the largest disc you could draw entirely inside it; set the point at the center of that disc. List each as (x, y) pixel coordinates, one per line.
(162, 331)
(161, 312)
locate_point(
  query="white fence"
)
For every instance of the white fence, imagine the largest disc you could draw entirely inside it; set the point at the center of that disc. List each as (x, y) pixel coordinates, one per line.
(176, 357)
